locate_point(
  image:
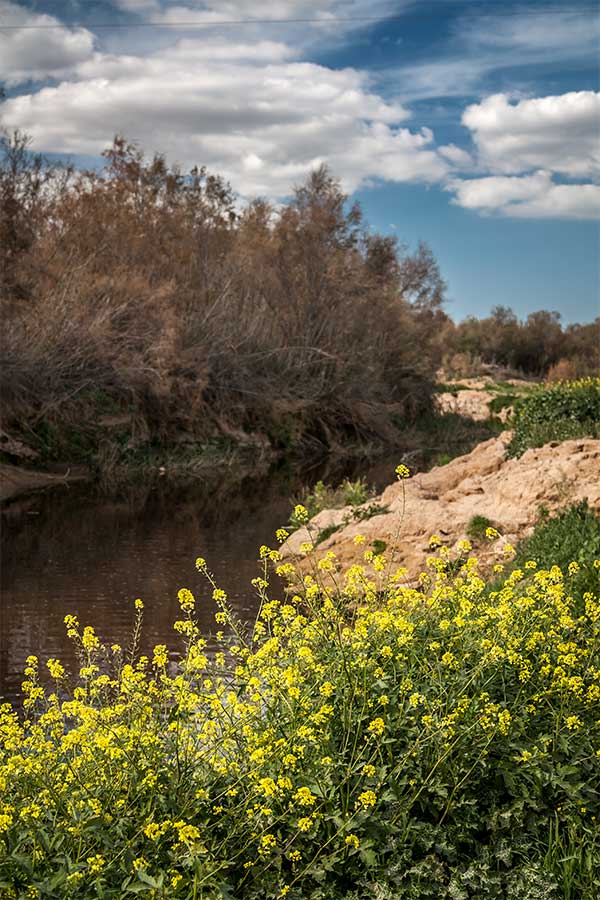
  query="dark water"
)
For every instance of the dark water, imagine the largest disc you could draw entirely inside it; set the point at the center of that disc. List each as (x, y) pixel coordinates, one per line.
(73, 550)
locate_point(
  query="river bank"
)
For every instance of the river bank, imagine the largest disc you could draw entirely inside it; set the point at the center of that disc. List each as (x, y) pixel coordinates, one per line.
(111, 462)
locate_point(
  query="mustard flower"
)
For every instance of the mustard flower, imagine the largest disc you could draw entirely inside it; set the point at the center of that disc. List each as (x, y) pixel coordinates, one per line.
(186, 600)
(367, 799)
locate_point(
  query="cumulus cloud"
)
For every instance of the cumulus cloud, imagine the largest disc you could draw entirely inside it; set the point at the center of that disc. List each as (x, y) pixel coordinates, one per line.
(524, 146)
(249, 111)
(527, 196)
(27, 54)
(560, 133)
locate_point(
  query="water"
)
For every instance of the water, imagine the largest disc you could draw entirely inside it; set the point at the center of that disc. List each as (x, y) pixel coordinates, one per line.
(73, 550)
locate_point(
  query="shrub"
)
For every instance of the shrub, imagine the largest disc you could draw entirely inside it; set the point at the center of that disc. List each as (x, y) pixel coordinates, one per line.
(196, 314)
(376, 740)
(555, 413)
(477, 527)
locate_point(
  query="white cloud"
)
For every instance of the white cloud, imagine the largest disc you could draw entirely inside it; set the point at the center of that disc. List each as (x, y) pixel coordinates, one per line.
(561, 133)
(248, 111)
(523, 145)
(528, 196)
(29, 54)
(460, 159)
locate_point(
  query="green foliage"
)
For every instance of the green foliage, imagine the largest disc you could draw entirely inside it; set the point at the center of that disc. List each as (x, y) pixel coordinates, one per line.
(570, 536)
(379, 546)
(477, 527)
(381, 742)
(503, 401)
(323, 496)
(555, 413)
(325, 533)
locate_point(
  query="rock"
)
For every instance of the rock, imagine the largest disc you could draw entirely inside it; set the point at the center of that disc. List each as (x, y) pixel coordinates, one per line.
(472, 404)
(508, 492)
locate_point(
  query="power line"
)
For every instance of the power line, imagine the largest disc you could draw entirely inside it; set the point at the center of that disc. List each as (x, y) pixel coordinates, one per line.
(296, 21)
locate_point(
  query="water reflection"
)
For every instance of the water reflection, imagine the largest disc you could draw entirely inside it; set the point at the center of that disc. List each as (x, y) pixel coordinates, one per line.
(71, 550)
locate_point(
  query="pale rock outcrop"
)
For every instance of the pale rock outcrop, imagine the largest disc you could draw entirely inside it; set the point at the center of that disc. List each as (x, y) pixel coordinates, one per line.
(443, 501)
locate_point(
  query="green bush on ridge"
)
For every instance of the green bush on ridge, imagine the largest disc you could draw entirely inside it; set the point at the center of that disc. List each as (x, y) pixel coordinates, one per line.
(556, 412)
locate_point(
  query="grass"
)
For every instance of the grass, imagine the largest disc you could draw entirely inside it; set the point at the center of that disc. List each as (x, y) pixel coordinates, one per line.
(324, 496)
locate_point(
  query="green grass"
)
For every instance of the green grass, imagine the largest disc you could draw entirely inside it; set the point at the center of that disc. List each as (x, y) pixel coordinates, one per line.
(324, 496)
(477, 527)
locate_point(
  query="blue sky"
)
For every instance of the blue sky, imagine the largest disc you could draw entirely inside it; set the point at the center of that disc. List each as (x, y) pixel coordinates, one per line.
(472, 125)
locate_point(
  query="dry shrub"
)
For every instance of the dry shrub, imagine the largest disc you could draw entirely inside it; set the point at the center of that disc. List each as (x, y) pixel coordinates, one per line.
(154, 290)
(563, 370)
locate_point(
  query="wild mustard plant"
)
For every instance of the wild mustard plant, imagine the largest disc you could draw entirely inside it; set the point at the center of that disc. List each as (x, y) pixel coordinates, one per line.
(366, 739)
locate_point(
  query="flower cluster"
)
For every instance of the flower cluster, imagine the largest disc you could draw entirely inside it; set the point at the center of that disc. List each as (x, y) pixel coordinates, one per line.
(360, 735)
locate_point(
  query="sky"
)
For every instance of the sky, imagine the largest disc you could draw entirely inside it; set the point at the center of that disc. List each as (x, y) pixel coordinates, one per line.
(474, 126)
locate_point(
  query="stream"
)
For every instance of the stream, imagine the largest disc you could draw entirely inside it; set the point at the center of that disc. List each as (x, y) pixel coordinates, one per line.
(72, 550)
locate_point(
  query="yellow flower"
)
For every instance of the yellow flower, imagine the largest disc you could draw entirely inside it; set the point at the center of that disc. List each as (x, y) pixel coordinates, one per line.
(139, 604)
(305, 824)
(186, 600)
(55, 668)
(186, 834)
(300, 513)
(95, 863)
(305, 797)
(402, 471)
(160, 657)
(89, 639)
(376, 727)
(268, 843)
(352, 841)
(367, 799)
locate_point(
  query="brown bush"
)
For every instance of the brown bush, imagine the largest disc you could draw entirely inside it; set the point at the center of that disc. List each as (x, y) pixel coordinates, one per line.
(143, 288)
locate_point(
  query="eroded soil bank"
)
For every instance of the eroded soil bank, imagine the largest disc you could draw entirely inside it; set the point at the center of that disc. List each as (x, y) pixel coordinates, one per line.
(445, 500)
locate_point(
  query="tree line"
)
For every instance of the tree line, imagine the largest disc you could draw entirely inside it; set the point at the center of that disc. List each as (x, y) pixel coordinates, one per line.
(144, 288)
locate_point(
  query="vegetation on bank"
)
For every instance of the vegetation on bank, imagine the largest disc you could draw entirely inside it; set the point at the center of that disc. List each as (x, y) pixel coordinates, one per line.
(556, 412)
(365, 740)
(571, 535)
(537, 345)
(148, 314)
(145, 308)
